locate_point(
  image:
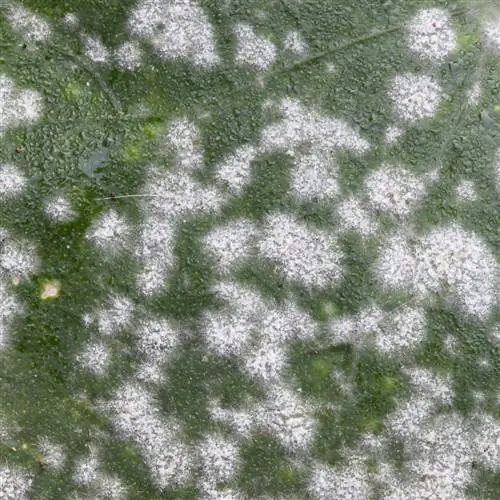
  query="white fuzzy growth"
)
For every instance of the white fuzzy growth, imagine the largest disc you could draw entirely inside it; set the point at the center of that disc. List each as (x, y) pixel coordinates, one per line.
(295, 43)
(71, 20)
(60, 209)
(392, 134)
(136, 417)
(252, 49)
(426, 384)
(486, 442)
(95, 358)
(466, 192)
(300, 125)
(86, 469)
(354, 217)
(183, 137)
(95, 50)
(406, 331)
(12, 181)
(242, 422)
(288, 418)
(431, 35)
(265, 361)
(110, 232)
(415, 97)
(305, 255)
(219, 460)
(314, 177)
(109, 487)
(350, 481)
(116, 316)
(14, 483)
(156, 340)
(394, 190)
(53, 454)
(128, 56)
(235, 171)
(17, 106)
(474, 94)
(176, 29)
(18, 258)
(32, 27)
(231, 244)
(9, 307)
(492, 33)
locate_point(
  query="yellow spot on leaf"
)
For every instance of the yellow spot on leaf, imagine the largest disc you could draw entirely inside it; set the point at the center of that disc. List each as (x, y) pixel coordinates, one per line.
(50, 290)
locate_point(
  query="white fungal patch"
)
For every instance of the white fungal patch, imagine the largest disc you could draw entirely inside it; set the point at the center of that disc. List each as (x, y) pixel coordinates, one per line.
(15, 483)
(60, 210)
(156, 340)
(415, 97)
(241, 421)
(95, 358)
(394, 190)
(17, 106)
(219, 460)
(314, 177)
(12, 180)
(288, 418)
(354, 217)
(231, 244)
(305, 255)
(492, 33)
(183, 137)
(392, 134)
(235, 171)
(9, 307)
(52, 453)
(136, 417)
(128, 56)
(474, 94)
(252, 49)
(300, 125)
(176, 29)
(431, 35)
(71, 20)
(110, 232)
(86, 469)
(466, 192)
(31, 27)
(18, 258)
(350, 481)
(486, 441)
(295, 43)
(108, 487)
(265, 361)
(116, 316)
(95, 50)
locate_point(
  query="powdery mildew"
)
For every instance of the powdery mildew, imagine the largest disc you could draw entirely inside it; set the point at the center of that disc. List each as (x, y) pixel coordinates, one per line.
(466, 191)
(235, 171)
(33, 28)
(295, 43)
(15, 483)
(128, 56)
(95, 50)
(492, 33)
(17, 106)
(415, 97)
(252, 49)
(60, 210)
(95, 358)
(116, 316)
(431, 35)
(9, 307)
(110, 232)
(53, 454)
(12, 181)
(305, 255)
(176, 29)
(18, 258)
(353, 216)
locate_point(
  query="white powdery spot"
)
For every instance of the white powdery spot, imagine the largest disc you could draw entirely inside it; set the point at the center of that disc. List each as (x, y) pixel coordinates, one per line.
(301, 125)
(265, 361)
(18, 258)
(136, 417)
(231, 244)
(128, 56)
(252, 49)
(354, 217)
(286, 416)
(415, 97)
(156, 339)
(86, 468)
(32, 27)
(109, 487)
(183, 137)
(9, 307)
(95, 358)
(474, 94)
(110, 232)
(392, 134)
(492, 33)
(219, 460)
(60, 209)
(71, 20)
(52, 454)
(426, 384)
(95, 50)
(431, 35)
(14, 483)
(305, 255)
(406, 330)
(241, 421)
(235, 171)
(295, 43)
(176, 29)
(486, 441)
(350, 481)
(394, 190)
(12, 180)
(17, 106)
(466, 192)
(314, 177)
(116, 316)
